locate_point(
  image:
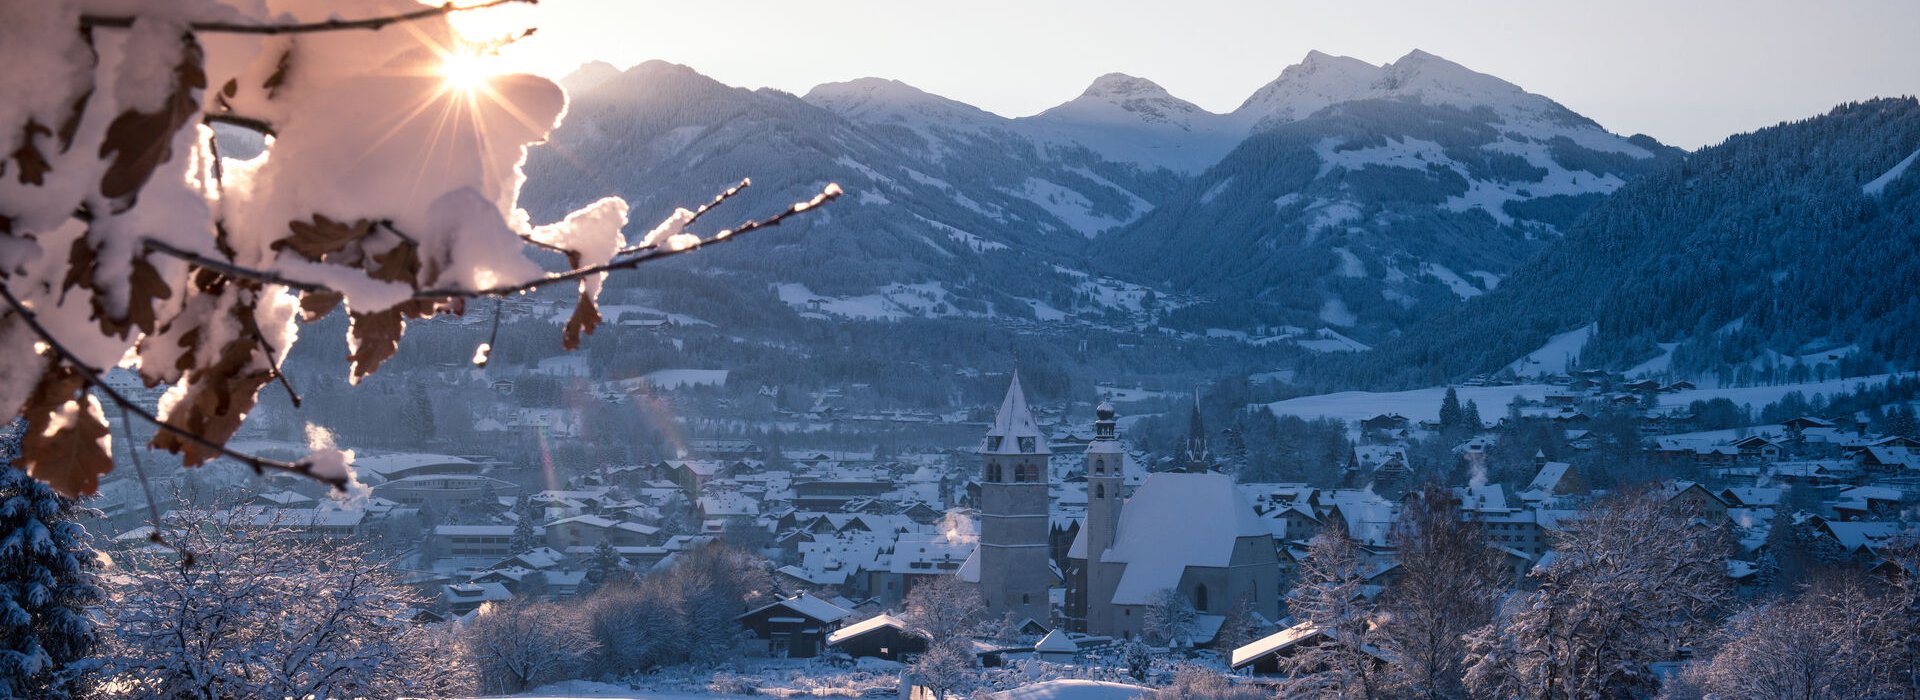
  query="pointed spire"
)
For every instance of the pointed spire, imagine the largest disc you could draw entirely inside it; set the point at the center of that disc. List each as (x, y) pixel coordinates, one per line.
(1014, 429)
(1199, 460)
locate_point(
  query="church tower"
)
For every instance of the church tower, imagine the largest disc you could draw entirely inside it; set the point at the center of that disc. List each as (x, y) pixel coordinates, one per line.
(1106, 478)
(1015, 574)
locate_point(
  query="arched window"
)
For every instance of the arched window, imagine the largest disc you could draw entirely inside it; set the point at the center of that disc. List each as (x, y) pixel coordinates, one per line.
(1099, 466)
(1200, 597)
(1099, 490)
(993, 471)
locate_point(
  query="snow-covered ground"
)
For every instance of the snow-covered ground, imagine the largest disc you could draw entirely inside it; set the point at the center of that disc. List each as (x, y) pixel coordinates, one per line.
(1424, 404)
(1556, 355)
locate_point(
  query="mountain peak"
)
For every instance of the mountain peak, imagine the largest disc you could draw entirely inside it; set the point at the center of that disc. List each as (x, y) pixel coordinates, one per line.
(1121, 85)
(589, 75)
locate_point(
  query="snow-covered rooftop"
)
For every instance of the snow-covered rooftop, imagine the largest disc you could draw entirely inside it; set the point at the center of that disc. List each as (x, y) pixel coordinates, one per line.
(1174, 521)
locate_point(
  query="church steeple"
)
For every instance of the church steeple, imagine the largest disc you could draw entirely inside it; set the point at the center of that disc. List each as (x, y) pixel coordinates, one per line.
(1198, 458)
(1014, 430)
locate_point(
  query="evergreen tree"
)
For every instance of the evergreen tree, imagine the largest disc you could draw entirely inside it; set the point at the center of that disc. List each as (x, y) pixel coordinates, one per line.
(1471, 417)
(523, 539)
(1452, 416)
(47, 582)
(602, 568)
(420, 414)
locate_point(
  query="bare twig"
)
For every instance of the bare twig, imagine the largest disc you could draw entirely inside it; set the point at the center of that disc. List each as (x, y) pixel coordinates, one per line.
(153, 508)
(646, 255)
(92, 376)
(332, 25)
(638, 257)
(704, 208)
(230, 269)
(273, 363)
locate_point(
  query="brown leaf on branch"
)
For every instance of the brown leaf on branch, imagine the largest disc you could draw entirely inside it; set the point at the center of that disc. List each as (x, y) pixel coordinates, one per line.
(33, 163)
(140, 141)
(145, 286)
(67, 439)
(316, 305)
(586, 317)
(372, 339)
(219, 395)
(323, 237)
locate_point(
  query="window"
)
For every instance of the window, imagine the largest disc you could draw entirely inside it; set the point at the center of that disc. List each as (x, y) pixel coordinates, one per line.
(1099, 491)
(1200, 597)
(993, 443)
(1026, 598)
(993, 471)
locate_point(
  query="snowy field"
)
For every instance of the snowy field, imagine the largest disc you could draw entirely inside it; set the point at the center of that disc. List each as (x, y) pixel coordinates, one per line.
(1424, 404)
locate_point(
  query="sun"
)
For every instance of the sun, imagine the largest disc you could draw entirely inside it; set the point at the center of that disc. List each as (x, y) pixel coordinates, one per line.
(467, 71)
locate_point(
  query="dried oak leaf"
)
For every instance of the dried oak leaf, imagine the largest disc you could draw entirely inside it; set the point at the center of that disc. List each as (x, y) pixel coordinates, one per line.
(140, 141)
(316, 305)
(67, 443)
(218, 396)
(145, 287)
(33, 164)
(586, 317)
(372, 339)
(323, 237)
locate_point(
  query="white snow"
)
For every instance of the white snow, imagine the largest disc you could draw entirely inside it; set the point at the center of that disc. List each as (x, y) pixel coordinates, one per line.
(1424, 404)
(1659, 364)
(1074, 689)
(1879, 184)
(1460, 286)
(1066, 205)
(1350, 265)
(1176, 520)
(1334, 311)
(1559, 353)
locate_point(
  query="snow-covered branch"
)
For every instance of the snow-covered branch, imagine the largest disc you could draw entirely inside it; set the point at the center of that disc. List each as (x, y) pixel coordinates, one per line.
(387, 187)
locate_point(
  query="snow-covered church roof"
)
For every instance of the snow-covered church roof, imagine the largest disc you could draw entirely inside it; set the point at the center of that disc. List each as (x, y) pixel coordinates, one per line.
(1013, 422)
(1176, 520)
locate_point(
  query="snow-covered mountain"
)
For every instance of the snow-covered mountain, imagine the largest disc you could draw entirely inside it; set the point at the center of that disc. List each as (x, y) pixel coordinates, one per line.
(1341, 195)
(1367, 196)
(1134, 120)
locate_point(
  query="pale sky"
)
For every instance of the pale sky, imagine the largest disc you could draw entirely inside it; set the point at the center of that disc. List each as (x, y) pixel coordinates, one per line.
(1688, 73)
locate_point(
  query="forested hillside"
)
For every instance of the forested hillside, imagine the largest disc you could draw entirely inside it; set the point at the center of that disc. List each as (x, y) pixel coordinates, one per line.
(1792, 246)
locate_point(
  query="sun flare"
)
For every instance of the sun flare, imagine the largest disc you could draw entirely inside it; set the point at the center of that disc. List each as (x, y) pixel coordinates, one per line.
(466, 71)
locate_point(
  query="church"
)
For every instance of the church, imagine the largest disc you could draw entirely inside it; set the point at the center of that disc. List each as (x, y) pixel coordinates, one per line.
(1189, 531)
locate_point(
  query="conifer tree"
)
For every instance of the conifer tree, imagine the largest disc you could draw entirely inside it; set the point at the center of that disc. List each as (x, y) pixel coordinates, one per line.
(47, 582)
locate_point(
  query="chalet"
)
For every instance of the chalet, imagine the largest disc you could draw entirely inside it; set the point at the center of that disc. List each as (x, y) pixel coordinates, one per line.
(463, 598)
(881, 636)
(1056, 647)
(591, 530)
(794, 628)
(1682, 385)
(1757, 448)
(1805, 422)
(1697, 498)
(1263, 656)
(1388, 422)
(1887, 459)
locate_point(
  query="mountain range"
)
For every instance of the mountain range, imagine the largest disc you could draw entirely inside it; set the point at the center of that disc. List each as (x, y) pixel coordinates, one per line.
(1342, 206)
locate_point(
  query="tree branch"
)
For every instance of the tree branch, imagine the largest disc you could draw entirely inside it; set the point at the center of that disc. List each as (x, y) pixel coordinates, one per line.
(704, 208)
(332, 25)
(830, 193)
(260, 126)
(92, 376)
(640, 255)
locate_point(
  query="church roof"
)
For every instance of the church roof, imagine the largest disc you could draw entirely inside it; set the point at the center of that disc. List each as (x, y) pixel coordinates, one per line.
(1176, 520)
(1015, 420)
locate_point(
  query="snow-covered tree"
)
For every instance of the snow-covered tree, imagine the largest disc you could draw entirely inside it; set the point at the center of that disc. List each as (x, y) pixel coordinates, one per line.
(1241, 626)
(944, 609)
(1169, 618)
(1633, 580)
(519, 645)
(603, 568)
(139, 230)
(1836, 640)
(1328, 596)
(1196, 682)
(523, 538)
(262, 611)
(48, 581)
(1449, 585)
(945, 667)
